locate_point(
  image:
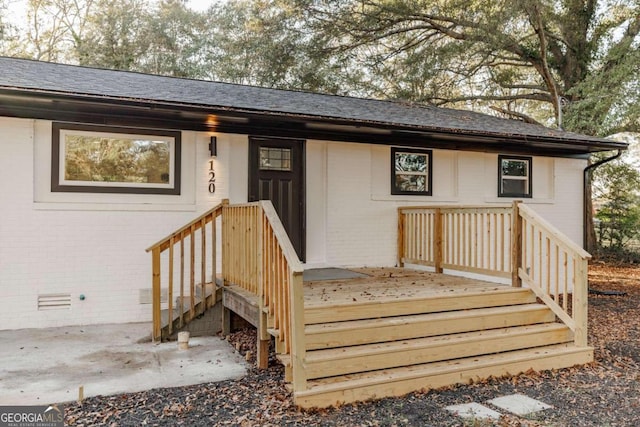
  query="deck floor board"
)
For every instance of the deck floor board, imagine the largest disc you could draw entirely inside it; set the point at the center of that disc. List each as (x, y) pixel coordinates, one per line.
(384, 284)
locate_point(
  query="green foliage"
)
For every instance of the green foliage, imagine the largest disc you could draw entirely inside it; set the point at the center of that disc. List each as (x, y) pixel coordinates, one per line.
(514, 57)
(176, 39)
(3, 19)
(5, 27)
(266, 43)
(617, 194)
(510, 57)
(116, 35)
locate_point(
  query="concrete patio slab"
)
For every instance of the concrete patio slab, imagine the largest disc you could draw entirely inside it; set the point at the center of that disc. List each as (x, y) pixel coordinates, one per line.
(44, 366)
(473, 410)
(519, 404)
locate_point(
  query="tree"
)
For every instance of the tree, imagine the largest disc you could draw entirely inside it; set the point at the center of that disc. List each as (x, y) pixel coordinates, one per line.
(116, 35)
(175, 41)
(5, 27)
(521, 58)
(617, 190)
(267, 43)
(54, 29)
(162, 37)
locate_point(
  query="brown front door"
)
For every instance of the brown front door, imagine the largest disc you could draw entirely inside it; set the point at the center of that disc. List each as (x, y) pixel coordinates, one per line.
(276, 173)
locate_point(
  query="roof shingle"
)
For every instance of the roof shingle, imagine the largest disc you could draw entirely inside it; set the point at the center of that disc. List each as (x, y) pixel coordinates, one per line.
(60, 79)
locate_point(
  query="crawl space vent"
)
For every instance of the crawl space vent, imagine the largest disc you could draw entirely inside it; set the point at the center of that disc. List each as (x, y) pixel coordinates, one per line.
(54, 302)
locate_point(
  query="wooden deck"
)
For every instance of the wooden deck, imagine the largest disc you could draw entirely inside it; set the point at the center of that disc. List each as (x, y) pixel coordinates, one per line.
(392, 330)
(389, 285)
(398, 330)
(386, 292)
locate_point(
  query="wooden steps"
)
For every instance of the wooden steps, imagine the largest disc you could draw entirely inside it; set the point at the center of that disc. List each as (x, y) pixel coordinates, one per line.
(428, 342)
(200, 306)
(400, 381)
(356, 332)
(443, 301)
(341, 361)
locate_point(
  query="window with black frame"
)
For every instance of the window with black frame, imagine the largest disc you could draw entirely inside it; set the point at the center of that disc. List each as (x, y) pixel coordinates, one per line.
(108, 159)
(514, 176)
(411, 171)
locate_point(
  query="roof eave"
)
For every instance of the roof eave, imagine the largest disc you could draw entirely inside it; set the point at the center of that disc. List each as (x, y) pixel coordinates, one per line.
(225, 119)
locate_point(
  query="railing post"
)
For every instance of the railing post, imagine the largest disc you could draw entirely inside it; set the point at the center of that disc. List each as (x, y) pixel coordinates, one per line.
(262, 353)
(516, 245)
(214, 252)
(225, 243)
(580, 302)
(298, 342)
(203, 265)
(155, 288)
(224, 270)
(192, 272)
(170, 290)
(438, 230)
(401, 238)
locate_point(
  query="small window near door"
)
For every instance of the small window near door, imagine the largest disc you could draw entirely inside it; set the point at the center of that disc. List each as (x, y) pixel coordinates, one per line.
(275, 159)
(411, 171)
(514, 176)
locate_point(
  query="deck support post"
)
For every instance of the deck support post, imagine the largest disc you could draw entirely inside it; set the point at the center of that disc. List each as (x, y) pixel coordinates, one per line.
(170, 292)
(262, 356)
(437, 226)
(263, 338)
(155, 286)
(298, 344)
(580, 302)
(401, 238)
(516, 245)
(226, 320)
(224, 256)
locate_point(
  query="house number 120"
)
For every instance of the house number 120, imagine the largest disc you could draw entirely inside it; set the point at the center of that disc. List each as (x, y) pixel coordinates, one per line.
(212, 178)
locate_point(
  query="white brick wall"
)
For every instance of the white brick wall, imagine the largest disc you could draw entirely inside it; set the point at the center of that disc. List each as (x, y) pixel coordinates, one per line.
(565, 209)
(360, 231)
(85, 244)
(95, 244)
(360, 214)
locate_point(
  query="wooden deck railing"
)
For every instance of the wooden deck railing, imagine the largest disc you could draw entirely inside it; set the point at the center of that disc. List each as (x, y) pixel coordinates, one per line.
(502, 241)
(473, 239)
(259, 257)
(197, 259)
(554, 267)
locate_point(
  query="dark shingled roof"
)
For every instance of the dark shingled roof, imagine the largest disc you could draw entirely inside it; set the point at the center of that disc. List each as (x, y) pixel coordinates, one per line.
(118, 86)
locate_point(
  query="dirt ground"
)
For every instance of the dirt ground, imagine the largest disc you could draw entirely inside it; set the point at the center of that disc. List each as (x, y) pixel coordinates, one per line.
(604, 393)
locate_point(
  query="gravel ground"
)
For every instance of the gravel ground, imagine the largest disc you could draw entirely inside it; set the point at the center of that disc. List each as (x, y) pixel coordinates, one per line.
(604, 393)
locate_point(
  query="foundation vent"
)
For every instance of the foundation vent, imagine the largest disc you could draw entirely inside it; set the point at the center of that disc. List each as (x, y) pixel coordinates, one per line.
(145, 296)
(54, 302)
